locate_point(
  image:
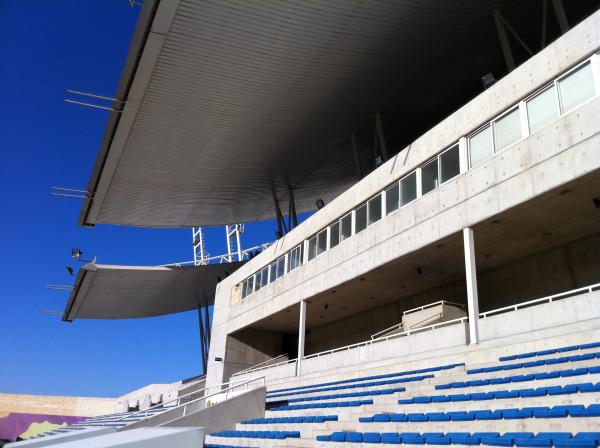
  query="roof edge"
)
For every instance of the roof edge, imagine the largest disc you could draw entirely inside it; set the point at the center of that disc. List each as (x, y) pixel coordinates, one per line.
(138, 43)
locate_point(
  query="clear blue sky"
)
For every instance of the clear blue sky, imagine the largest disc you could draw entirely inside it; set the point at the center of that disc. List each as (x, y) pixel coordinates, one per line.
(45, 48)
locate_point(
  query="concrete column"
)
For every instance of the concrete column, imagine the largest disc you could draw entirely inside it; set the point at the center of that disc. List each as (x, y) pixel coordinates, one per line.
(471, 277)
(301, 337)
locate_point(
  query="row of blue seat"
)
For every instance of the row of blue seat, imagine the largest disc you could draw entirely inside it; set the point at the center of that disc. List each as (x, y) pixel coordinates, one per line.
(280, 435)
(520, 378)
(212, 445)
(592, 410)
(332, 404)
(357, 385)
(349, 395)
(569, 348)
(370, 378)
(537, 363)
(301, 419)
(503, 394)
(524, 439)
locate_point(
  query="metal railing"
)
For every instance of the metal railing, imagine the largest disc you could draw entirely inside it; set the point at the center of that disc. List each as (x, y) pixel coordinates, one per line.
(222, 258)
(548, 299)
(261, 364)
(387, 338)
(258, 369)
(431, 305)
(203, 391)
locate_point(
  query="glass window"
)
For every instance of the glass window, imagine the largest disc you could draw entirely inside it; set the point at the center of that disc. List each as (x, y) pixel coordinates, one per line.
(273, 269)
(264, 279)
(244, 288)
(576, 88)
(257, 280)
(542, 109)
(392, 196)
(481, 146)
(295, 257)
(312, 247)
(334, 235)
(449, 164)
(361, 218)
(346, 228)
(321, 241)
(408, 189)
(374, 209)
(250, 287)
(507, 129)
(429, 176)
(281, 267)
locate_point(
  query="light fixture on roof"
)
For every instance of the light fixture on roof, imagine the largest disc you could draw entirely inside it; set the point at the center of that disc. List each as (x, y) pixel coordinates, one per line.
(320, 203)
(378, 160)
(76, 254)
(488, 80)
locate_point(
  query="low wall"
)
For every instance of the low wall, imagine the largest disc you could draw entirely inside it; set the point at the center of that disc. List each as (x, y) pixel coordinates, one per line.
(555, 314)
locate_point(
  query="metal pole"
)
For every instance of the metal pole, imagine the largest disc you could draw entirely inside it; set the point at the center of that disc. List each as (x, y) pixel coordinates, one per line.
(504, 43)
(471, 278)
(356, 152)
(202, 346)
(561, 16)
(381, 137)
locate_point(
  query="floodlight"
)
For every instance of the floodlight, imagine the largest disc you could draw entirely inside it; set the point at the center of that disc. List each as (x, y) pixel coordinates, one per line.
(320, 204)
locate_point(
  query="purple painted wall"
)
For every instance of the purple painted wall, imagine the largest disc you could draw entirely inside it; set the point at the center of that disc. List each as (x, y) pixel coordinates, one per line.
(16, 423)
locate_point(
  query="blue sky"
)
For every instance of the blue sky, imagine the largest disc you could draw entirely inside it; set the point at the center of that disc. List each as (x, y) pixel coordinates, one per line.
(45, 48)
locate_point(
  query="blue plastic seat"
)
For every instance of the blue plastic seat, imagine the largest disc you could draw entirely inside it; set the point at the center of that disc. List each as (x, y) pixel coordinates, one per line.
(416, 417)
(569, 348)
(526, 393)
(422, 399)
(437, 417)
(545, 375)
(588, 387)
(487, 415)
(409, 439)
(354, 437)
(500, 380)
(391, 438)
(461, 416)
(503, 394)
(460, 397)
(440, 398)
(325, 438)
(397, 418)
(511, 414)
(478, 396)
(371, 437)
(406, 401)
(381, 418)
(337, 437)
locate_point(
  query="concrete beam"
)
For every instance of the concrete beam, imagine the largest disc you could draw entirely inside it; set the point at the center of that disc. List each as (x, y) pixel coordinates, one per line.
(301, 337)
(471, 278)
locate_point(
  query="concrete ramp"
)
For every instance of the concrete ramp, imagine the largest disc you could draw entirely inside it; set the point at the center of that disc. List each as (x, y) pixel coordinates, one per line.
(61, 438)
(138, 438)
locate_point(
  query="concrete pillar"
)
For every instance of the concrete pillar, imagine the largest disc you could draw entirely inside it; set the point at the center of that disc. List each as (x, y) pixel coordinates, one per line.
(471, 277)
(301, 337)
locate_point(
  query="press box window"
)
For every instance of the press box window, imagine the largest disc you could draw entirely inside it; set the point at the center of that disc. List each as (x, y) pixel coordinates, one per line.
(392, 198)
(334, 234)
(312, 247)
(361, 218)
(429, 176)
(257, 280)
(408, 189)
(507, 129)
(346, 227)
(576, 88)
(321, 241)
(481, 146)
(295, 257)
(542, 109)
(374, 206)
(264, 278)
(449, 164)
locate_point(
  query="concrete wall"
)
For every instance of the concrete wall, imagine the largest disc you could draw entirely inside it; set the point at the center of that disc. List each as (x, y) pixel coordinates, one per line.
(250, 347)
(55, 405)
(553, 156)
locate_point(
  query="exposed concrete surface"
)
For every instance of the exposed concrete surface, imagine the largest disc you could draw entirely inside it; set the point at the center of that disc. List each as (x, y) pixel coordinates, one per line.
(61, 438)
(56, 405)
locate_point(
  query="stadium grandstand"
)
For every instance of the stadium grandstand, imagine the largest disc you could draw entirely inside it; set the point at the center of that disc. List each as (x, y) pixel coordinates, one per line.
(443, 287)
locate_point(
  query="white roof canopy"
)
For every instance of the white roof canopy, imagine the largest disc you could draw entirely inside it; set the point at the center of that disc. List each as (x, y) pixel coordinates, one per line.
(125, 292)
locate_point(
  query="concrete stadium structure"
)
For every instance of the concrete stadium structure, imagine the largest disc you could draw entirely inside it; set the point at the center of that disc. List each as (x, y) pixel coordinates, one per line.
(457, 230)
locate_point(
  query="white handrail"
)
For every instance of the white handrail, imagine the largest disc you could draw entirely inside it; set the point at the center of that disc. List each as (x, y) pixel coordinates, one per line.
(251, 368)
(549, 299)
(387, 338)
(431, 305)
(387, 330)
(178, 399)
(289, 361)
(221, 258)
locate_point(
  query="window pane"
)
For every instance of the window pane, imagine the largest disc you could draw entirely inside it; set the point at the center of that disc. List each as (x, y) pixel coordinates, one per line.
(450, 164)
(250, 285)
(334, 235)
(392, 196)
(507, 129)
(312, 248)
(480, 146)
(576, 88)
(244, 288)
(408, 189)
(273, 268)
(429, 176)
(542, 109)
(375, 209)
(321, 242)
(346, 231)
(265, 276)
(258, 280)
(295, 257)
(361, 218)
(280, 267)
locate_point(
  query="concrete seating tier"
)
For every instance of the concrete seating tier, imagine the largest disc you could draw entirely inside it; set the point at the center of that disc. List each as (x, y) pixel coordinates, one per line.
(537, 363)
(278, 435)
(524, 439)
(331, 404)
(569, 348)
(276, 393)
